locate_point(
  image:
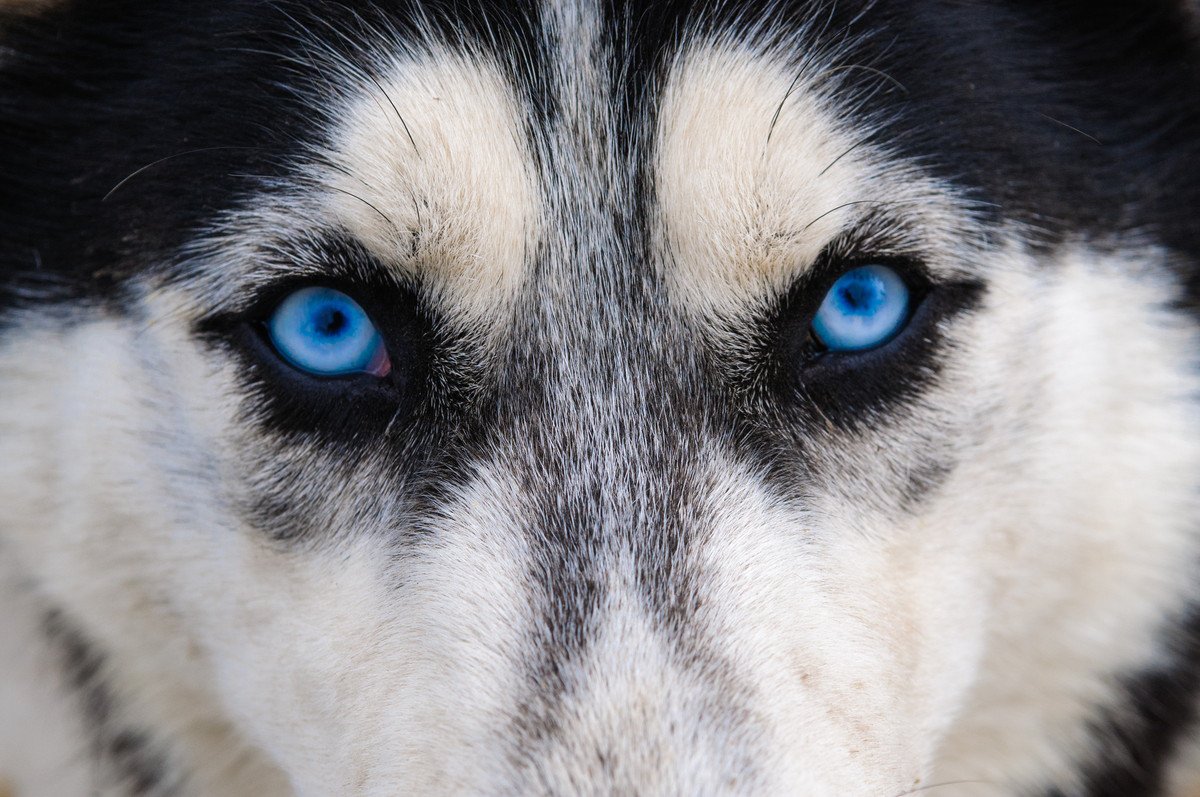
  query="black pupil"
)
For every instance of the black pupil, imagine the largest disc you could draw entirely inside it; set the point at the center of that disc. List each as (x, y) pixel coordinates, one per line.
(857, 296)
(331, 322)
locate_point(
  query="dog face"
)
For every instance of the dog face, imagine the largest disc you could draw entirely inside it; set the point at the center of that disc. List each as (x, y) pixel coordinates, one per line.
(598, 399)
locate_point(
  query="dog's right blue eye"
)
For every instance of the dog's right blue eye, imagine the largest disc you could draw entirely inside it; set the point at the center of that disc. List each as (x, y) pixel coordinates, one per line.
(865, 308)
(326, 333)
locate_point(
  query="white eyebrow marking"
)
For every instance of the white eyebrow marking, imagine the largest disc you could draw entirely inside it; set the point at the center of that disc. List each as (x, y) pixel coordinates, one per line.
(753, 175)
(758, 170)
(430, 170)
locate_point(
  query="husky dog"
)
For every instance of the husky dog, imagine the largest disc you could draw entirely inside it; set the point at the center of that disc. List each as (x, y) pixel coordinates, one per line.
(413, 397)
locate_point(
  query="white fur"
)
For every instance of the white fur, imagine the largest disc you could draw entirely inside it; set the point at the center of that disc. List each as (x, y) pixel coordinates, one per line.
(459, 197)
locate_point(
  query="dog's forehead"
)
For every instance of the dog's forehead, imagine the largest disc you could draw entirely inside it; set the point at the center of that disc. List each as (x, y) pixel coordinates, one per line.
(727, 130)
(715, 154)
(718, 168)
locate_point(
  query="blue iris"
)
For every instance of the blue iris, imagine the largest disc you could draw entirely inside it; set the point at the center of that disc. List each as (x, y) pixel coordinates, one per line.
(325, 332)
(865, 308)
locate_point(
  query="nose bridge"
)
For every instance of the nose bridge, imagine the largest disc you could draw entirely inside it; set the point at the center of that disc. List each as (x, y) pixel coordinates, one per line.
(595, 331)
(607, 433)
(607, 438)
(610, 375)
(623, 682)
(605, 428)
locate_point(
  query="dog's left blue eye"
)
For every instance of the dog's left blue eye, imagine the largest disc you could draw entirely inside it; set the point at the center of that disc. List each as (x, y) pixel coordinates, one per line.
(326, 333)
(865, 308)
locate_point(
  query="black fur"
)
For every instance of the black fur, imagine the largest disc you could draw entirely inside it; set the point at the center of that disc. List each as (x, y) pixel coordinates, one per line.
(126, 757)
(1136, 738)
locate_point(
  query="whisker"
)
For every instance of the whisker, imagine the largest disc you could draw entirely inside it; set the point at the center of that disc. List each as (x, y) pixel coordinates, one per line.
(403, 124)
(354, 68)
(152, 164)
(1088, 136)
(382, 215)
(932, 786)
(866, 68)
(846, 205)
(833, 162)
(783, 102)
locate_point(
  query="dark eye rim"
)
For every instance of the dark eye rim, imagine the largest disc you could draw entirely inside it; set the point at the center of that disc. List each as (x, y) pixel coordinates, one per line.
(394, 310)
(309, 399)
(341, 410)
(846, 386)
(799, 308)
